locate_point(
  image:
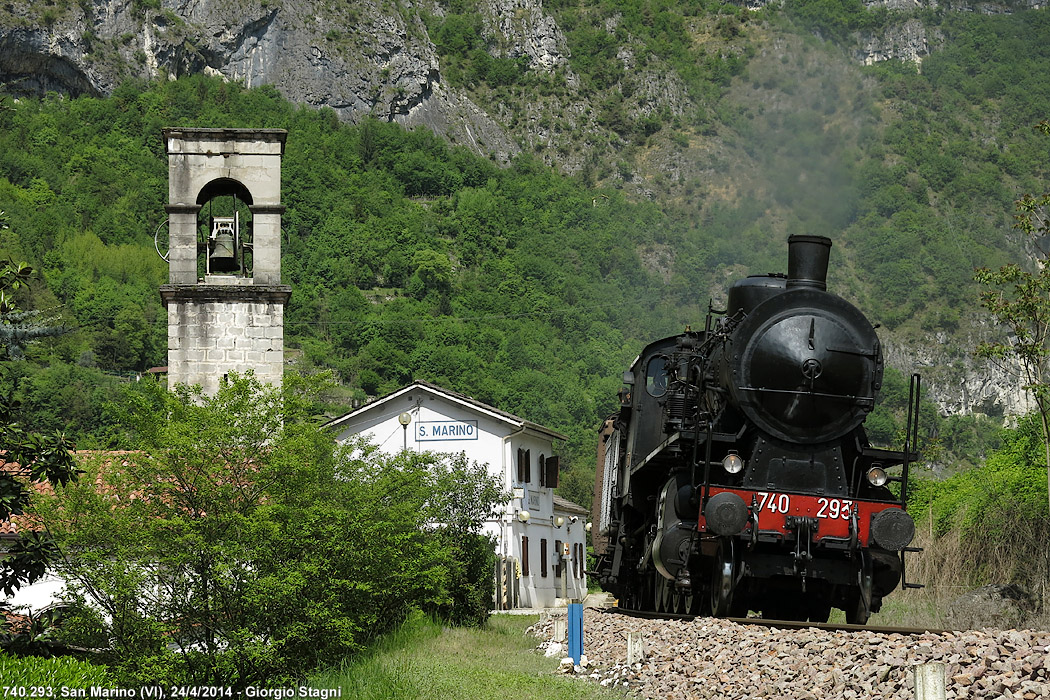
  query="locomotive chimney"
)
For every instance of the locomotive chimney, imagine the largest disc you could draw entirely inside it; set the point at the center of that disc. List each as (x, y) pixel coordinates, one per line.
(808, 261)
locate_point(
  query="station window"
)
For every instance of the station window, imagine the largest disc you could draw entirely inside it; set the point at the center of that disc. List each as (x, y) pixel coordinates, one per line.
(543, 557)
(524, 466)
(553, 469)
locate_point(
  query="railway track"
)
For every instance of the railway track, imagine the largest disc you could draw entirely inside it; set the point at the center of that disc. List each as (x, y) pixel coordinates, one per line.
(781, 624)
(752, 658)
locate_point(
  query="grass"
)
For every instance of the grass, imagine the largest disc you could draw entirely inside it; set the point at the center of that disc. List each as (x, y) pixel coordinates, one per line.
(426, 660)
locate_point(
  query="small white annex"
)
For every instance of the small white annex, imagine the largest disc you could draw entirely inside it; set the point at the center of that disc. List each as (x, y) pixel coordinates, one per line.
(540, 537)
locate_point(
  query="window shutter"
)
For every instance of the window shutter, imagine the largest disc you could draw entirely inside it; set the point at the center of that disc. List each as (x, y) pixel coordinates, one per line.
(543, 557)
(557, 567)
(521, 466)
(524, 555)
(543, 470)
(551, 466)
(528, 466)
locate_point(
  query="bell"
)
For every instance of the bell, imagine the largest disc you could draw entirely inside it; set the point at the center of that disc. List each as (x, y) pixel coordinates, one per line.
(223, 254)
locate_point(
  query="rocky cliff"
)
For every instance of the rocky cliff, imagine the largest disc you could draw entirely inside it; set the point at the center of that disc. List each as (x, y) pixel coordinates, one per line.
(362, 58)
(374, 57)
(910, 39)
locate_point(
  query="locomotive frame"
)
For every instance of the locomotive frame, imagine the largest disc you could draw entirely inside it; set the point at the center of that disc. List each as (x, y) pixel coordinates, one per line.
(737, 475)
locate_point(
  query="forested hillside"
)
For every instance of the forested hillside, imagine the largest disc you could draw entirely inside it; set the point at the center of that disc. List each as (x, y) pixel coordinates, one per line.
(532, 289)
(407, 258)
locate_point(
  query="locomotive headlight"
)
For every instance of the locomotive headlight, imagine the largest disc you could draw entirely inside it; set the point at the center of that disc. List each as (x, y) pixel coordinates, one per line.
(877, 476)
(732, 463)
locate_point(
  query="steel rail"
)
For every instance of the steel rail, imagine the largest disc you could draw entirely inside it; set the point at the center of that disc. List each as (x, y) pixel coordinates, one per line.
(783, 624)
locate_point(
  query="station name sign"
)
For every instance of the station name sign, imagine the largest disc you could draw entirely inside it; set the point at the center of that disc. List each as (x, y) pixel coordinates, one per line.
(430, 430)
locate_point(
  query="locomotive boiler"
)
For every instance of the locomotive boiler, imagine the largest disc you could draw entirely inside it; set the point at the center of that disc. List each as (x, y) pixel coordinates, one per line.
(737, 475)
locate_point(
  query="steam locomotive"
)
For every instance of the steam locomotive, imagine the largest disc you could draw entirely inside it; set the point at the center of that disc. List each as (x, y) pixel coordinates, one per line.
(737, 475)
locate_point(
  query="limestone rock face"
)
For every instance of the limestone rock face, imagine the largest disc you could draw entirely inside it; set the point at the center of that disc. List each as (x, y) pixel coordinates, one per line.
(528, 31)
(359, 59)
(907, 41)
(958, 382)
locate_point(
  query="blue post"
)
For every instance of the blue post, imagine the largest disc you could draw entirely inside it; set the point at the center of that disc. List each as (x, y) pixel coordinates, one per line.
(575, 632)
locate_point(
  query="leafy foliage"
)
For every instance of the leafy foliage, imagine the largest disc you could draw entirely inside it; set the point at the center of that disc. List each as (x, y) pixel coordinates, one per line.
(408, 259)
(65, 672)
(29, 457)
(942, 177)
(835, 19)
(1019, 301)
(528, 290)
(238, 548)
(999, 512)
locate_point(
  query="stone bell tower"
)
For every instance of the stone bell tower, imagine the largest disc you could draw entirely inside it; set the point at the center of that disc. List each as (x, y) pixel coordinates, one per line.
(224, 298)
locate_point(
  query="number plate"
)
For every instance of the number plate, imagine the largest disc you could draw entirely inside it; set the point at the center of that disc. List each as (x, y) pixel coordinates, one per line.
(834, 514)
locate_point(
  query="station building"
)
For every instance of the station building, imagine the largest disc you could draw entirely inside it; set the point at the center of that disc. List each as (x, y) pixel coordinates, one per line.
(540, 537)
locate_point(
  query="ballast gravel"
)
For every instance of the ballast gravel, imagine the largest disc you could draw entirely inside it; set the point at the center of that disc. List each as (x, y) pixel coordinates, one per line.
(712, 658)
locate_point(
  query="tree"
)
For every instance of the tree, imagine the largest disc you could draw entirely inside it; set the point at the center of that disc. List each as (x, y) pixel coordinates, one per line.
(26, 457)
(1019, 300)
(240, 547)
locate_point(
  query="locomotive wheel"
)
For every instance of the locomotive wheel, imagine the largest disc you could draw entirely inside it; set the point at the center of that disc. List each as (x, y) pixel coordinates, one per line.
(683, 603)
(643, 596)
(676, 602)
(667, 595)
(723, 579)
(661, 593)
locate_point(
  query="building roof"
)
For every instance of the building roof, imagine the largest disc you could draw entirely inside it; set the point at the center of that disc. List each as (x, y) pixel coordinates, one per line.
(455, 397)
(564, 505)
(112, 460)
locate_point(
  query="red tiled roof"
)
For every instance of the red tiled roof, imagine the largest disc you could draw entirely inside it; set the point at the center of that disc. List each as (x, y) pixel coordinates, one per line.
(15, 623)
(10, 529)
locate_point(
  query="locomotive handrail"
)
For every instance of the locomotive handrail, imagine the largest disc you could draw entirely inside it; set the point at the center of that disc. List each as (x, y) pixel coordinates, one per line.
(707, 466)
(911, 433)
(656, 452)
(855, 351)
(859, 399)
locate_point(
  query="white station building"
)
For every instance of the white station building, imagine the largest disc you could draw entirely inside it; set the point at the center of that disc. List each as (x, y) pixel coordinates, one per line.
(540, 537)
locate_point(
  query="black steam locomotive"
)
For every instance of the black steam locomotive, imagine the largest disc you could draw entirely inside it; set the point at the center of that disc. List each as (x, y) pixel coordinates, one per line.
(737, 475)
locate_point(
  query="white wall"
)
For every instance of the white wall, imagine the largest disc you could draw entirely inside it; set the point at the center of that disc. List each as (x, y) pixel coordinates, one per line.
(440, 424)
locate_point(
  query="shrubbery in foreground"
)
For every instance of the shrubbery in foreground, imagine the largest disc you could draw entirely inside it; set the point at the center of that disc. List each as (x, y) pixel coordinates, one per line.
(240, 547)
(33, 671)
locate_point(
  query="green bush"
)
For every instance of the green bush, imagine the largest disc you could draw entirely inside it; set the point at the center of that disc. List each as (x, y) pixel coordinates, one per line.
(55, 672)
(249, 553)
(994, 517)
(1012, 480)
(470, 560)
